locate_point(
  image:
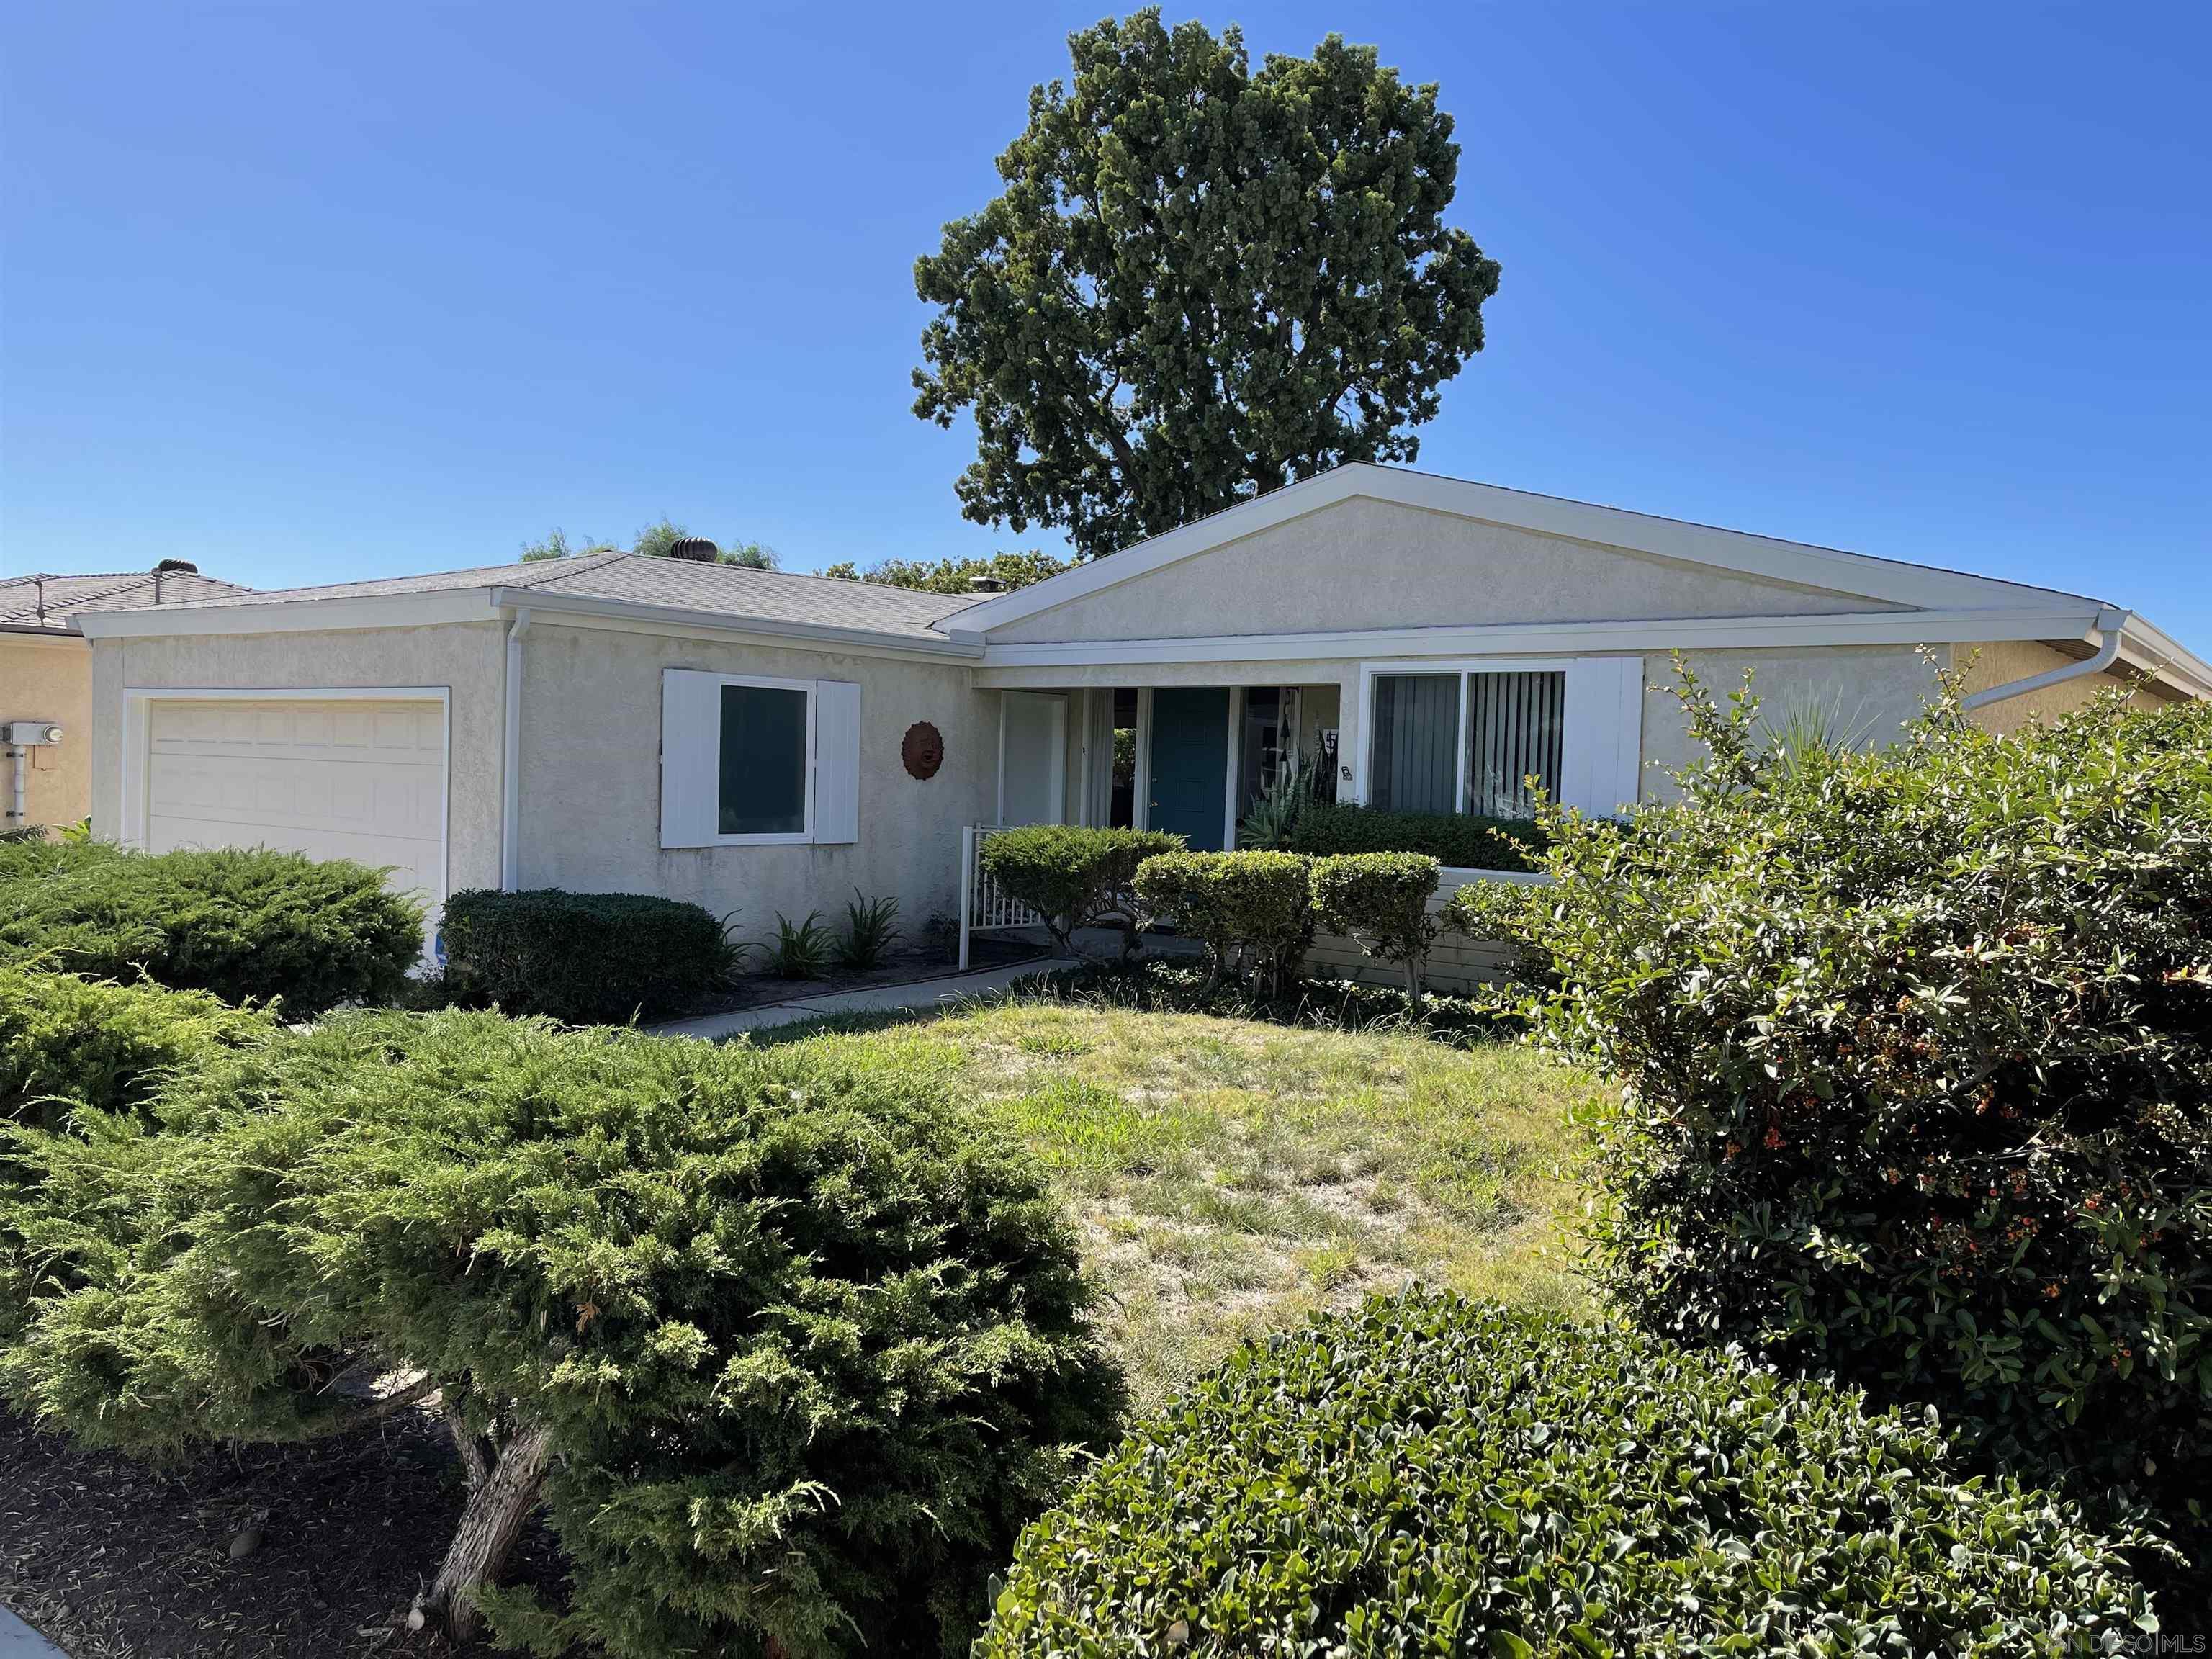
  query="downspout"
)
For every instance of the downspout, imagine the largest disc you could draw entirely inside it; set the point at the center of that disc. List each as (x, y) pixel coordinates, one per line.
(510, 771)
(2110, 623)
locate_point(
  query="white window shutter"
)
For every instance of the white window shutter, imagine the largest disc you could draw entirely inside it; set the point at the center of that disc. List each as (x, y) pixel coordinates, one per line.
(690, 758)
(1603, 751)
(837, 760)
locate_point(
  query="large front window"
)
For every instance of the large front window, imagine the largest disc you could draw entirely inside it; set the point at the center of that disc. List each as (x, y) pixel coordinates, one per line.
(1466, 742)
(763, 760)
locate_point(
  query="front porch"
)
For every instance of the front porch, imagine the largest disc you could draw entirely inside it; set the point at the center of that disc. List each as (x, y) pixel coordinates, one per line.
(1190, 759)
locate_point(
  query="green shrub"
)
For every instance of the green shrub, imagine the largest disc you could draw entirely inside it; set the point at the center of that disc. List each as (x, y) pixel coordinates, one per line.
(1074, 877)
(249, 926)
(1916, 1057)
(801, 950)
(1255, 906)
(791, 1352)
(1380, 899)
(585, 958)
(1430, 1476)
(1505, 911)
(871, 929)
(66, 1041)
(1458, 839)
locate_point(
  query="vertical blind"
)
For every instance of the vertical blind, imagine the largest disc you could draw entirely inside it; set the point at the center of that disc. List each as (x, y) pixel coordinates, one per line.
(1516, 724)
(1416, 759)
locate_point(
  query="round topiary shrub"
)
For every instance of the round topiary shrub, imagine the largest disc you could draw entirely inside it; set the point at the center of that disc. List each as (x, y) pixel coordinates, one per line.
(584, 958)
(1074, 877)
(1427, 1475)
(790, 1353)
(1258, 905)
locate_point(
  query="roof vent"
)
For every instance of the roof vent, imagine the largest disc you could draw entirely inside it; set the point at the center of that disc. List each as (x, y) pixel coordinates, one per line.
(697, 548)
(986, 585)
(176, 568)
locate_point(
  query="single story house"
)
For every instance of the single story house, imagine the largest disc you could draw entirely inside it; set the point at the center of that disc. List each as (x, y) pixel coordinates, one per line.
(765, 742)
(46, 680)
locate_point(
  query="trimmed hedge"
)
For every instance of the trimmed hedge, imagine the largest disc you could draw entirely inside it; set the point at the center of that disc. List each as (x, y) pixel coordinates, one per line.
(251, 926)
(791, 1351)
(1430, 1476)
(1074, 877)
(1253, 904)
(1380, 899)
(1915, 1051)
(583, 958)
(1452, 838)
(66, 1042)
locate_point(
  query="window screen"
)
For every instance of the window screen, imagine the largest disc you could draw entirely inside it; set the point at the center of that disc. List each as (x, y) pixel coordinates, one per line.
(1514, 726)
(763, 760)
(1416, 752)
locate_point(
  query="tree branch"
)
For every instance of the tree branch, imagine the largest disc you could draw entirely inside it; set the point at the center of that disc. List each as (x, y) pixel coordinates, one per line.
(374, 1411)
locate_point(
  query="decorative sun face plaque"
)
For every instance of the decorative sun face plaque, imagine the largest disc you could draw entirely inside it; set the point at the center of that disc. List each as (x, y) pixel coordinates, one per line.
(923, 751)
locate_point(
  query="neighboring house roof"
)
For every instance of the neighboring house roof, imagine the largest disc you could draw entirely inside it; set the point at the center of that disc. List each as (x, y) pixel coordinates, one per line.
(47, 604)
(734, 594)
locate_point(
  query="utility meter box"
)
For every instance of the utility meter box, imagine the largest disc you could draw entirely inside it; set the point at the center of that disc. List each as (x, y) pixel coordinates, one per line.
(30, 731)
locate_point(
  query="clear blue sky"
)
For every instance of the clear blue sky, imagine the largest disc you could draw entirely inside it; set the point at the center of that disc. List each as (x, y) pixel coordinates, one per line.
(312, 293)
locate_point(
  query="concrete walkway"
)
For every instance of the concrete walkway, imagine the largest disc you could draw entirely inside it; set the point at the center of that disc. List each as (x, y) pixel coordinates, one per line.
(19, 1641)
(865, 1000)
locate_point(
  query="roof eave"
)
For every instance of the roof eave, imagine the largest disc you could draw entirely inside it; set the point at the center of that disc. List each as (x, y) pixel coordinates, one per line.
(826, 634)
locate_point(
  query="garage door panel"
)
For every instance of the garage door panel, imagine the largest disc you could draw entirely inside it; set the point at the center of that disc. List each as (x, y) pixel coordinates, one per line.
(338, 778)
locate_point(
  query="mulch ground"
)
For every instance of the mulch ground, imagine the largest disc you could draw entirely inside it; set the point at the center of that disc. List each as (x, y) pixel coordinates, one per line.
(113, 1559)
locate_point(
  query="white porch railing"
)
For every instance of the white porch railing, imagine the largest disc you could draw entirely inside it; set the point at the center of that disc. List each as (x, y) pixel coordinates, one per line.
(983, 908)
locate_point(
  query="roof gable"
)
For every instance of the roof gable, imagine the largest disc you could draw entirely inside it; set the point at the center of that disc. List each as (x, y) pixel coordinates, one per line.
(1883, 581)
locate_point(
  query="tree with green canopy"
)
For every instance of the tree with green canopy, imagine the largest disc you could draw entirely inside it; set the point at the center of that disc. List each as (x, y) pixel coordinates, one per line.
(655, 541)
(1009, 570)
(1201, 283)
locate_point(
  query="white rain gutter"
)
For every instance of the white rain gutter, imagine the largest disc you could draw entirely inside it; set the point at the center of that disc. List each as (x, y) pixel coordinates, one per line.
(2110, 623)
(510, 770)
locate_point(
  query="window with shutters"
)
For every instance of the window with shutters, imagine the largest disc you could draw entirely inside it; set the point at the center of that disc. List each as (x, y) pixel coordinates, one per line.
(762, 755)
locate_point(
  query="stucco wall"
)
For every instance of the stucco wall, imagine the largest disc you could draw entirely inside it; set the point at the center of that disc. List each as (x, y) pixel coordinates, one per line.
(591, 780)
(1988, 665)
(50, 679)
(1865, 692)
(465, 658)
(1366, 564)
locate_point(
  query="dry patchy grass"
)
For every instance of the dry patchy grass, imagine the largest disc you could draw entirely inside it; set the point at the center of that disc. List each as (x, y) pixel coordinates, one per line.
(1230, 1176)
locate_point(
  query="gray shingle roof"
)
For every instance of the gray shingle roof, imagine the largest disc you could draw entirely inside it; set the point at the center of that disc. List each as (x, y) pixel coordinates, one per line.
(733, 591)
(43, 601)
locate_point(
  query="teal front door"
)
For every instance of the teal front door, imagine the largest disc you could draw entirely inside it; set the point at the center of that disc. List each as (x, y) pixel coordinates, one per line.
(1190, 763)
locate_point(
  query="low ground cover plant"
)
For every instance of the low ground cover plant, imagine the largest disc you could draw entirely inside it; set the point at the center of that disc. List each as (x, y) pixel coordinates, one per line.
(1165, 985)
(1427, 1475)
(67, 1042)
(1458, 839)
(1075, 878)
(790, 1351)
(1916, 1057)
(1382, 900)
(602, 958)
(249, 926)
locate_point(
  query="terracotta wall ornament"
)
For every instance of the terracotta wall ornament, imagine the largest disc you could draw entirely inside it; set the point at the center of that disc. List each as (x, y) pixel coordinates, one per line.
(923, 751)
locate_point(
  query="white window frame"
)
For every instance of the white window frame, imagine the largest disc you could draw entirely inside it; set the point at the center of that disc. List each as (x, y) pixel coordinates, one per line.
(1466, 668)
(804, 837)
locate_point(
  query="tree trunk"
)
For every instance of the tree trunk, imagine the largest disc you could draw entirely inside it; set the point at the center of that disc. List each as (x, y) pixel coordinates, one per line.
(489, 1525)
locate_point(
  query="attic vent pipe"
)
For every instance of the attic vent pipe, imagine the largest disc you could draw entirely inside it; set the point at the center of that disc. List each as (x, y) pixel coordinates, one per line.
(697, 548)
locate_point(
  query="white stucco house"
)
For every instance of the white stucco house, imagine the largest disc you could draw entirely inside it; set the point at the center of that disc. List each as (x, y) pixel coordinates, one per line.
(740, 738)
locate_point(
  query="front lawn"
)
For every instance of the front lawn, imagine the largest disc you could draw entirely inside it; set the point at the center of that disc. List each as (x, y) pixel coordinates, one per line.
(1230, 1175)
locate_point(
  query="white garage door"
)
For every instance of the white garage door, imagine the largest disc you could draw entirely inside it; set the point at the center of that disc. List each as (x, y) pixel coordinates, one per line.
(342, 778)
